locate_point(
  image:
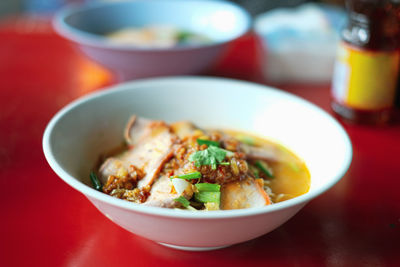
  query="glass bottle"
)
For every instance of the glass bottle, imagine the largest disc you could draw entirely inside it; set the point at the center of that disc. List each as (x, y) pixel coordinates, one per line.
(367, 65)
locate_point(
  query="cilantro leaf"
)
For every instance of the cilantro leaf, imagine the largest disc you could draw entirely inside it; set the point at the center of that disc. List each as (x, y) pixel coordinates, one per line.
(211, 156)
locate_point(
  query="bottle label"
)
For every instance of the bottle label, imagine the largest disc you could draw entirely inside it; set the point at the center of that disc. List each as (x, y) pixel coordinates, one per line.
(365, 79)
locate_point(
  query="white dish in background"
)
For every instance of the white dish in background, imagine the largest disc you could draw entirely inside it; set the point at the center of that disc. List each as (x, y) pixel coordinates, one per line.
(93, 124)
(299, 44)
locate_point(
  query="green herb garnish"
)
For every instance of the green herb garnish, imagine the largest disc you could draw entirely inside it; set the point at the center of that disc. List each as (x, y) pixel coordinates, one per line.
(188, 176)
(183, 201)
(208, 142)
(184, 36)
(205, 197)
(255, 171)
(264, 168)
(224, 163)
(207, 187)
(95, 182)
(211, 156)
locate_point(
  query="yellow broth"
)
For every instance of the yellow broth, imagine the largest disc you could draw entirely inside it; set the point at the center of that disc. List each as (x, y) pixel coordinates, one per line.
(291, 175)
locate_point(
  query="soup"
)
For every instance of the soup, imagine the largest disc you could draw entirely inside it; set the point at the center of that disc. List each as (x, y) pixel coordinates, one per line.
(291, 173)
(182, 166)
(156, 37)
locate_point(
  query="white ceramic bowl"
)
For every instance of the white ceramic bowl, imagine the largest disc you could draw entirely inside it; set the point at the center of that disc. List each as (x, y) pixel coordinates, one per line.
(85, 25)
(93, 124)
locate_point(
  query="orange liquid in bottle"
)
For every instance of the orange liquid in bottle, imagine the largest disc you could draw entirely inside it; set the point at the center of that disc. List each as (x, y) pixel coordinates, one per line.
(367, 66)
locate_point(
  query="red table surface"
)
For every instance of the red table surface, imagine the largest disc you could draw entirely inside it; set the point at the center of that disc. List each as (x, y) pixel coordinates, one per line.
(45, 222)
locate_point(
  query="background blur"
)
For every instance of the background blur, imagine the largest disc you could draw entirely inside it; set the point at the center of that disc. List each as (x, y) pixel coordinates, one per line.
(292, 32)
(11, 7)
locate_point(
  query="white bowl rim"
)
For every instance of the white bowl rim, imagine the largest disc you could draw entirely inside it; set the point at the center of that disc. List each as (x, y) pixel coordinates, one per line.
(95, 40)
(174, 213)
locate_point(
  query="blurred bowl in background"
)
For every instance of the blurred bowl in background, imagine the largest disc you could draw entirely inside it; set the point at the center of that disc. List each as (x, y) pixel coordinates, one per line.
(86, 26)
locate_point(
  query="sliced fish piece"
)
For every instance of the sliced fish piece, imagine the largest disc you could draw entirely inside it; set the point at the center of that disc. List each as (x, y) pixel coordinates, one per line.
(243, 194)
(112, 166)
(149, 152)
(162, 194)
(136, 129)
(183, 128)
(262, 153)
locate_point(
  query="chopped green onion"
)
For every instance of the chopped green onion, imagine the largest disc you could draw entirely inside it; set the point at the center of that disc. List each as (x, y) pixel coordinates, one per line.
(225, 163)
(205, 197)
(183, 201)
(255, 171)
(208, 142)
(264, 168)
(188, 176)
(95, 181)
(207, 187)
